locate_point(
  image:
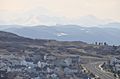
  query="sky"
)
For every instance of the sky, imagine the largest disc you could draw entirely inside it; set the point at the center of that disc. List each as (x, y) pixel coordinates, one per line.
(50, 12)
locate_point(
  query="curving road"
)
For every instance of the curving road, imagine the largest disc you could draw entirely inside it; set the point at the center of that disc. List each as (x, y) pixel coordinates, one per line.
(95, 69)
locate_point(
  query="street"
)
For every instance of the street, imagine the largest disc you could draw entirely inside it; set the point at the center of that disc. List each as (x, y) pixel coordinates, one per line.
(95, 69)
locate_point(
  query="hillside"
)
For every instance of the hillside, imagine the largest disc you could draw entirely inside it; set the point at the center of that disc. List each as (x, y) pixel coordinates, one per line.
(14, 43)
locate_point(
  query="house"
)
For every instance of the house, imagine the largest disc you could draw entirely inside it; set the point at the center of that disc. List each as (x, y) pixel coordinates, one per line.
(54, 76)
(27, 63)
(2, 64)
(49, 70)
(45, 57)
(70, 71)
(60, 63)
(3, 74)
(50, 57)
(41, 64)
(14, 62)
(115, 64)
(68, 61)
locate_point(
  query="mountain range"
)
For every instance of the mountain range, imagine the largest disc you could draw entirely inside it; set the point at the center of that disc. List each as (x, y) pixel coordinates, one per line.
(110, 32)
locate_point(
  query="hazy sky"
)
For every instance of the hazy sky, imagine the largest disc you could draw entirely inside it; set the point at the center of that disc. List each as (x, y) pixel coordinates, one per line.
(59, 11)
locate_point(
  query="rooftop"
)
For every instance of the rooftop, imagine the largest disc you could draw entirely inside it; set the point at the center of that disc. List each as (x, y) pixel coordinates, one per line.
(118, 58)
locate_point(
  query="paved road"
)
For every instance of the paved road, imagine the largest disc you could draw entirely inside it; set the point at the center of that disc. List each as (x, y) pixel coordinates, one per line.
(95, 69)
